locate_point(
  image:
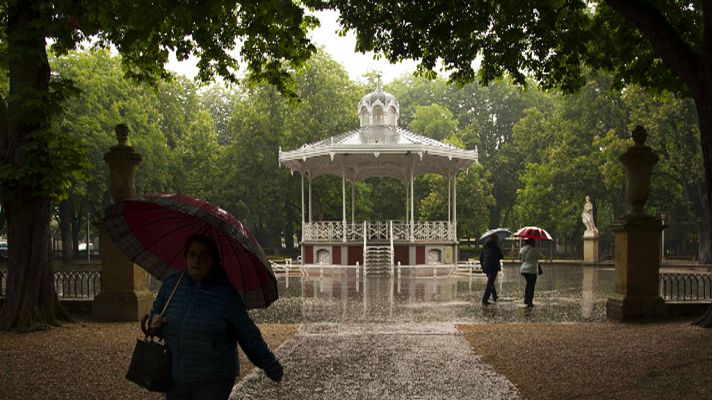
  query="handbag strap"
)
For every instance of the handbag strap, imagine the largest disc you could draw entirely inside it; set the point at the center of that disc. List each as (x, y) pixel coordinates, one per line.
(526, 254)
(172, 293)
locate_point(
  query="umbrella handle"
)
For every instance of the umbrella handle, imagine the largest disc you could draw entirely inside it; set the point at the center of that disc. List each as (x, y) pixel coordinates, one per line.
(144, 326)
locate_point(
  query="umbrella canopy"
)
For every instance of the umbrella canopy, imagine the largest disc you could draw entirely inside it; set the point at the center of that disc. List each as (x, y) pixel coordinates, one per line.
(501, 233)
(533, 232)
(152, 231)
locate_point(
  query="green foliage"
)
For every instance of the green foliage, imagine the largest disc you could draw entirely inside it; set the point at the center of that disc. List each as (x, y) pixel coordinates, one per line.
(550, 40)
(549, 151)
(252, 185)
(434, 121)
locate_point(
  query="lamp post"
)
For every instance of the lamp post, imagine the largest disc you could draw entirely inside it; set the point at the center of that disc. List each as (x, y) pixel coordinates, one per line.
(663, 216)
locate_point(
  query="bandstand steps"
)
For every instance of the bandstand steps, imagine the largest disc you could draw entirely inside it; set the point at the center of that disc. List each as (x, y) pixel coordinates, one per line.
(378, 260)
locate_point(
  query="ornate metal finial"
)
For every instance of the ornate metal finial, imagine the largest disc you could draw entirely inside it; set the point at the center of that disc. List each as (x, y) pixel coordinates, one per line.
(122, 133)
(639, 135)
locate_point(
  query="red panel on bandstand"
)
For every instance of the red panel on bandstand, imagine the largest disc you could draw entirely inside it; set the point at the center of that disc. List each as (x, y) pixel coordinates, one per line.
(401, 254)
(355, 253)
(420, 255)
(308, 255)
(336, 255)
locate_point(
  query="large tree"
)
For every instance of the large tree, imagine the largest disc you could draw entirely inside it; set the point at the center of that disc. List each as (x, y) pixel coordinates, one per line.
(37, 165)
(659, 44)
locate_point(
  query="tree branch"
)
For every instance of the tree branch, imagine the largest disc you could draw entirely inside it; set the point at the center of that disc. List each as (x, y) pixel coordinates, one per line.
(707, 32)
(666, 41)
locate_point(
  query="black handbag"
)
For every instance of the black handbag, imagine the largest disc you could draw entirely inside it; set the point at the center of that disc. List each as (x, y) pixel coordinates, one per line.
(541, 271)
(150, 365)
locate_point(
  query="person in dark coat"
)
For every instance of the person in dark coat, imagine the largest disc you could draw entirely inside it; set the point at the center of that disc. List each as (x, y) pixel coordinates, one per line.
(202, 324)
(490, 262)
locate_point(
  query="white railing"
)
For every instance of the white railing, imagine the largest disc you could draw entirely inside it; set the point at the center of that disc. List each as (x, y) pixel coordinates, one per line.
(354, 231)
(333, 231)
(323, 231)
(377, 230)
(401, 230)
(433, 230)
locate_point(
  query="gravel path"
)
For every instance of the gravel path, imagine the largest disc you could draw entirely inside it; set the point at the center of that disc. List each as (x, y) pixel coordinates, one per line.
(663, 360)
(85, 360)
(379, 361)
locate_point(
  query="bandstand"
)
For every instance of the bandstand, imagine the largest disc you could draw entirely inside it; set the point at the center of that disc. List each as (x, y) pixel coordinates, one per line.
(379, 148)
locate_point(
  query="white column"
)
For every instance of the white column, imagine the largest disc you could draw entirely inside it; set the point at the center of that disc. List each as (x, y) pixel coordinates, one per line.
(407, 201)
(412, 213)
(310, 197)
(353, 201)
(454, 205)
(449, 191)
(343, 203)
(302, 175)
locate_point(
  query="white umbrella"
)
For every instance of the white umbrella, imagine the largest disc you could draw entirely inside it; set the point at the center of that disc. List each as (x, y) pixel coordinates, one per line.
(501, 233)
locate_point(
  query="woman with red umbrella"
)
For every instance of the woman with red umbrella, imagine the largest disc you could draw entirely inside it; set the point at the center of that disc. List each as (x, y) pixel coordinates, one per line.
(213, 270)
(201, 325)
(530, 256)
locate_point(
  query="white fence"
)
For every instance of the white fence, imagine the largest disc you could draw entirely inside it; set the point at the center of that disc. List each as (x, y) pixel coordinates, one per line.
(333, 231)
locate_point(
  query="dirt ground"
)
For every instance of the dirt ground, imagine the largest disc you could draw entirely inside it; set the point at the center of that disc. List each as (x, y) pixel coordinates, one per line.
(88, 360)
(599, 360)
(85, 360)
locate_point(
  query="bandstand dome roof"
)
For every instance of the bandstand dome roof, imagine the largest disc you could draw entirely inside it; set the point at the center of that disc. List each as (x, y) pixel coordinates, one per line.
(378, 148)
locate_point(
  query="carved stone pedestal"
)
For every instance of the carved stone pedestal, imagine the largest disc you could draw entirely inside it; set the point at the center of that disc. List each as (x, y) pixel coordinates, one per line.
(637, 259)
(590, 247)
(124, 295)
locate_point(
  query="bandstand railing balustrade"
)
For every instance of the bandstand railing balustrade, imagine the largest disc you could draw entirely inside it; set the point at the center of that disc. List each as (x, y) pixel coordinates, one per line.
(333, 231)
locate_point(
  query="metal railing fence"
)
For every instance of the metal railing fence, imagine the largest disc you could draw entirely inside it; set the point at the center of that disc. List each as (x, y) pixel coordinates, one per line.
(68, 284)
(680, 286)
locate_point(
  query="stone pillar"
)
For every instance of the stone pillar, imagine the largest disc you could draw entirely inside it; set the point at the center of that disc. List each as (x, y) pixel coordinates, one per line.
(124, 295)
(590, 247)
(637, 241)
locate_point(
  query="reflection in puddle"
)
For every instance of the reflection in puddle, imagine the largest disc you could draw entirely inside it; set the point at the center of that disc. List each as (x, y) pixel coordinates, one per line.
(563, 293)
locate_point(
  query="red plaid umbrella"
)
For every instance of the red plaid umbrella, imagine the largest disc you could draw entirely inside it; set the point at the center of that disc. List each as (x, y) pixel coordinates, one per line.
(533, 232)
(152, 232)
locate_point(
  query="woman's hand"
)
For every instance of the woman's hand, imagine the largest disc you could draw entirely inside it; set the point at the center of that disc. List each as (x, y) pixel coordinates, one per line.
(275, 371)
(157, 322)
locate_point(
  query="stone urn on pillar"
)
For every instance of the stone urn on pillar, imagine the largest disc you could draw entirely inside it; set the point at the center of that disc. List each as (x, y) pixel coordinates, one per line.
(637, 241)
(124, 295)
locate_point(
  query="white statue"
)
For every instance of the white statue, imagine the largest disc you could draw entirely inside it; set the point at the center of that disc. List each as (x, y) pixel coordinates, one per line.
(587, 217)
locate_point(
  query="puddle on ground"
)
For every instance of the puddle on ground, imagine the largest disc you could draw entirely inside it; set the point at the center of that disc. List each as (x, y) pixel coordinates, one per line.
(565, 293)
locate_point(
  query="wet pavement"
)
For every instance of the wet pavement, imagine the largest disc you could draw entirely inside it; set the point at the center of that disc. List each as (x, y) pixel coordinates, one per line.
(565, 293)
(379, 361)
(395, 337)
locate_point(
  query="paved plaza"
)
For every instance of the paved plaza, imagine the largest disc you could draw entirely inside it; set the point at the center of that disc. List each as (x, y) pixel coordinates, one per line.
(379, 361)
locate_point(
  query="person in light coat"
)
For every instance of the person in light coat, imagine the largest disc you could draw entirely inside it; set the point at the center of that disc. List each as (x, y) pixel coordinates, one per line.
(530, 256)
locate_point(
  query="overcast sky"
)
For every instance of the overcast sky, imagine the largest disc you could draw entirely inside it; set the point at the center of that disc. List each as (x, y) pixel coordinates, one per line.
(340, 48)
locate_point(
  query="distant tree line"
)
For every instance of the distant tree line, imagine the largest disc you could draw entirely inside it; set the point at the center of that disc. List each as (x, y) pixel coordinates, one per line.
(541, 152)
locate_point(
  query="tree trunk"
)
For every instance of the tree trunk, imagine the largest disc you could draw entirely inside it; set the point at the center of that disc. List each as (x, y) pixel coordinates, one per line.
(76, 222)
(495, 213)
(31, 301)
(703, 101)
(704, 230)
(65, 229)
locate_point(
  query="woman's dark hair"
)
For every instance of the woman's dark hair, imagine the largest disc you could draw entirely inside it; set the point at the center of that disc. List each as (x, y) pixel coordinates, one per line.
(205, 240)
(530, 241)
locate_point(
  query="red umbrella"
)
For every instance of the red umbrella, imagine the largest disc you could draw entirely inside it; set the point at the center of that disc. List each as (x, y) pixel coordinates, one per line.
(533, 232)
(152, 231)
